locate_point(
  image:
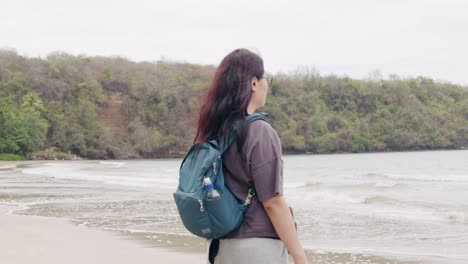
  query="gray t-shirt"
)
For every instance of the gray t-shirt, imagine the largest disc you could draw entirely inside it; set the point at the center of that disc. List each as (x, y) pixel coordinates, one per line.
(264, 169)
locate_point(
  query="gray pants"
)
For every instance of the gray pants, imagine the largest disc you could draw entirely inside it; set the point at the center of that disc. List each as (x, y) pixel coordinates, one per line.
(251, 250)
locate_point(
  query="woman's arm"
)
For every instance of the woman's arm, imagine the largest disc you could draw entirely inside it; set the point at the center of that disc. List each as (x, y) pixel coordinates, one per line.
(283, 222)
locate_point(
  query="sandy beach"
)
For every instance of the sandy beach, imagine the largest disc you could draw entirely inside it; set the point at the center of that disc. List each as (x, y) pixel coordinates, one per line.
(33, 239)
(8, 165)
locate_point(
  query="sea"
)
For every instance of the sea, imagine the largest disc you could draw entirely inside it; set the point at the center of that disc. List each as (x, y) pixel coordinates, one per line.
(405, 205)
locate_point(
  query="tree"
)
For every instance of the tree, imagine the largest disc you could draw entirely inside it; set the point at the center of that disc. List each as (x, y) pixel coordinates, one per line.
(21, 130)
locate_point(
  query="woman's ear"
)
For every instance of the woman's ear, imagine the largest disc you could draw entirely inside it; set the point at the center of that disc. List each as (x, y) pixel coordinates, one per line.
(254, 84)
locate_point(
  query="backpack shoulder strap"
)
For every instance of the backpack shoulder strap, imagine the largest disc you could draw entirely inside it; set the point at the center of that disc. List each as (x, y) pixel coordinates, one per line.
(224, 143)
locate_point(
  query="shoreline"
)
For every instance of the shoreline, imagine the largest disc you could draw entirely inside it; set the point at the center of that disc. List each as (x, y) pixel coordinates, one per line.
(9, 165)
(5, 163)
(40, 239)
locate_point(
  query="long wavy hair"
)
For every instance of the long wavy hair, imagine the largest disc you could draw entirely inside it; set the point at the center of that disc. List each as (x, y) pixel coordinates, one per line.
(228, 97)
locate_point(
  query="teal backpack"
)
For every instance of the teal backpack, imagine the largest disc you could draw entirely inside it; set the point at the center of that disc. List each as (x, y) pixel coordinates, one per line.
(209, 218)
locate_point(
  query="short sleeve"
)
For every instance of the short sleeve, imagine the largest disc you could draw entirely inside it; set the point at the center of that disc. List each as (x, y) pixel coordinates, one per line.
(266, 163)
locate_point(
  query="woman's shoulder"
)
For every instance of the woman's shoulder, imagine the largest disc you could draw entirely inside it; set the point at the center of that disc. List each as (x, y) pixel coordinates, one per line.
(261, 124)
(261, 129)
(263, 142)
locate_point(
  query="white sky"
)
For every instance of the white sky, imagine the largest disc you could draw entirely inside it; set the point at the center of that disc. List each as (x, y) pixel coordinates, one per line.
(345, 37)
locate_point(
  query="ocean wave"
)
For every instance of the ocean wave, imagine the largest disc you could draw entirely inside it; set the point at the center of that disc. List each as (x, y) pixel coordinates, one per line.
(308, 184)
(327, 196)
(419, 210)
(347, 185)
(381, 205)
(116, 164)
(369, 186)
(456, 216)
(65, 171)
(420, 177)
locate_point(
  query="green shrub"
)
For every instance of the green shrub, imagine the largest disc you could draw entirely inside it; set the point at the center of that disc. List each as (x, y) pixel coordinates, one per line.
(11, 157)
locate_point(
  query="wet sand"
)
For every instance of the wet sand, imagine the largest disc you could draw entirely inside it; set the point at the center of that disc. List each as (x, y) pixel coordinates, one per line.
(33, 239)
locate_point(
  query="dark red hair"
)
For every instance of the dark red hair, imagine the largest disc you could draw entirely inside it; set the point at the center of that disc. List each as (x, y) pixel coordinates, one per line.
(228, 96)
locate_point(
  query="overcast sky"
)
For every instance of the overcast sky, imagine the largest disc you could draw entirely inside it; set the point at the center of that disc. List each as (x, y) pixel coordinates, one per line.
(345, 37)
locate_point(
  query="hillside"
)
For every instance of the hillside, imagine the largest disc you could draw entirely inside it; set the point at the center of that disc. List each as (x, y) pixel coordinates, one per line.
(101, 107)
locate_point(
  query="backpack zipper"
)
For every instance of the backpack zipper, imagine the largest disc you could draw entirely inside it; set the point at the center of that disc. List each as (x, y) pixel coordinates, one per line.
(202, 208)
(201, 205)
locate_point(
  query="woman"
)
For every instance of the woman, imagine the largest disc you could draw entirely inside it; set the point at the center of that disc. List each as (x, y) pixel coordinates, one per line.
(267, 233)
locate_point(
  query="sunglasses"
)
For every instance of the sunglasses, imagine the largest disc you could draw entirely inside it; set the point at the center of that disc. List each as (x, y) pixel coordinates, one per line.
(268, 79)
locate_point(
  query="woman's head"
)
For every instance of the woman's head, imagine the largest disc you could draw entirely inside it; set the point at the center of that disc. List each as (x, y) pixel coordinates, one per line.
(238, 88)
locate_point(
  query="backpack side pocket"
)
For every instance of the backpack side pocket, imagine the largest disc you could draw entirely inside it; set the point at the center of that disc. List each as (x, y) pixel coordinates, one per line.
(193, 214)
(226, 213)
